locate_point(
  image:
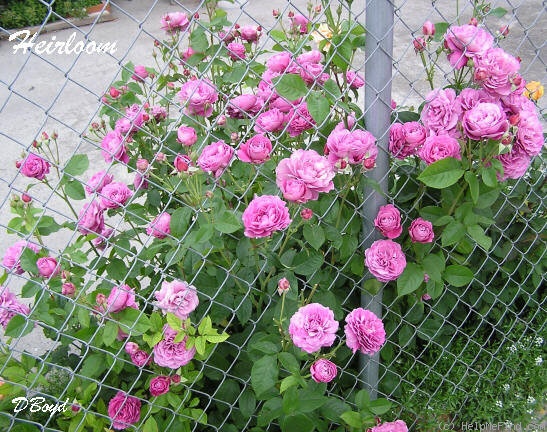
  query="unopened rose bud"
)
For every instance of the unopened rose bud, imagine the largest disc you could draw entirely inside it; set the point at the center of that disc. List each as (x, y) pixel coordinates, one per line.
(175, 379)
(393, 104)
(160, 157)
(196, 15)
(182, 162)
(234, 136)
(275, 13)
(68, 289)
(142, 165)
(369, 163)
(114, 92)
(283, 286)
(26, 198)
(343, 164)
(504, 30)
(426, 297)
(318, 9)
(517, 80)
(507, 139)
(221, 120)
(131, 348)
(306, 214)
(419, 44)
(54, 135)
(45, 136)
(95, 126)
(105, 100)
(156, 43)
(145, 117)
(514, 119)
(209, 194)
(35, 144)
(75, 408)
(186, 72)
(65, 275)
(473, 21)
(291, 14)
(480, 75)
(237, 26)
(100, 299)
(124, 89)
(326, 150)
(428, 29)
(519, 59)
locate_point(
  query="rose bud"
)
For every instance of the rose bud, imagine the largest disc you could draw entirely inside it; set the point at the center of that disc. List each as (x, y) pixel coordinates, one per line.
(473, 21)
(48, 267)
(504, 31)
(160, 157)
(100, 299)
(426, 297)
(26, 198)
(75, 408)
(142, 164)
(182, 162)
(306, 214)
(131, 348)
(68, 289)
(275, 13)
(283, 286)
(419, 44)
(114, 93)
(428, 29)
(175, 379)
(221, 120)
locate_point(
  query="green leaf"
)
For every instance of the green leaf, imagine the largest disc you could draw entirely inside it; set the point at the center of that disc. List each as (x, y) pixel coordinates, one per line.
(110, 333)
(116, 269)
(453, 233)
(353, 419)
(380, 406)
(28, 261)
(289, 362)
(440, 30)
(134, 320)
(205, 326)
(264, 375)
(477, 233)
(227, 223)
(410, 280)
(288, 382)
(203, 234)
(74, 190)
(318, 106)
(297, 422)
(174, 321)
(433, 265)
(457, 275)
(473, 183)
(179, 221)
(198, 40)
(314, 235)
(200, 343)
(442, 174)
(247, 403)
(362, 399)
(334, 408)
(372, 286)
(308, 264)
(498, 12)
(332, 90)
(217, 338)
(18, 326)
(406, 335)
(489, 177)
(150, 425)
(78, 164)
(290, 86)
(93, 366)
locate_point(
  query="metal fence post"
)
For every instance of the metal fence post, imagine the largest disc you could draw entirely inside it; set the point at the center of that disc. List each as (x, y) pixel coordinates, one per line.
(378, 70)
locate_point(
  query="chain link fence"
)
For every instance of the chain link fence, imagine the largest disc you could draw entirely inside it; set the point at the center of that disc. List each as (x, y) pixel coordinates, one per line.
(459, 356)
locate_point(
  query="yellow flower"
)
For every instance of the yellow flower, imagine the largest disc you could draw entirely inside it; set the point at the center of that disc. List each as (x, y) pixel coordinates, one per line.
(323, 33)
(533, 90)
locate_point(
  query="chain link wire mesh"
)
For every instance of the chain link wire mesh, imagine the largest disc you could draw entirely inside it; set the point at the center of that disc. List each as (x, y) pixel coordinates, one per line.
(441, 355)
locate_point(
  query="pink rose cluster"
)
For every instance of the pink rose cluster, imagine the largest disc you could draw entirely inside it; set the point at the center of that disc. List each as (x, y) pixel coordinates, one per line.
(264, 215)
(171, 354)
(353, 147)
(178, 298)
(12, 256)
(124, 410)
(10, 306)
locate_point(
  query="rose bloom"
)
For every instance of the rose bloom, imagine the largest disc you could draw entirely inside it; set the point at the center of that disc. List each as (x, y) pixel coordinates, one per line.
(323, 370)
(312, 72)
(466, 42)
(249, 33)
(264, 215)
(313, 326)
(140, 358)
(182, 162)
(388, 221)
(405, 139)
(244, 106)
(279, 62)
(515, 164)
(421, 231)
(177, 297)
(100, 241)
(312, 56)
(354, 79)
(115, 195)
(120, 298)
(300, 120)
(533, 90)
(256, 150)
(113, 147)
(215, 157)
(48, 267)
(236, 51)
(529, 134)
(186, 136)
(198, 97)
(159, 385)
(438, 147)
(364, 331)
(12, 256)
(440, 113)
(470, 97)
(91, 218)
(485, 121)
(272, 120)
(35, 167)
(140, 181)
(160, 226)
(174, 22)
(10, 306)
(385, 260)
(494, 71)
(300, 23)
(124, 410)
(396, 426)
(140, 73)
(158, 112)
(170, 354)
(137, 116)
(98, 181)
(353, 147)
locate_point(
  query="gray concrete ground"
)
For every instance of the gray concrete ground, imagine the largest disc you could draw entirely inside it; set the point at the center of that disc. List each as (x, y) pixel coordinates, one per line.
(61, 92)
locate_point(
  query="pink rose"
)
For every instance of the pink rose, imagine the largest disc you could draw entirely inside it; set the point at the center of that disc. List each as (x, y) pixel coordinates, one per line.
(323, 370)
(35, 167)
(270, 121)
(529, 137)
(244, 106)
(485, 121)
(313, 326)
(160, 226)
(215, 157)
(466, 42)
(354, 79)
(385, 260)
(299, 120)
(440, 113)
(198, 96)
(304, 175)
(137, 116)
(279, 62)
(438, 147)
(113, 147)
(158, 112)
(131, 348)
(283, 286)
(140, 73)
(428, 28)
(120, 298)
(182, 163)
(159, 385)
(388, 221)
(68, 289)
(140, 181)
(174, 22)
(469, 97)
(100, 241)
(300, 23)
(313, 56)
(10, 306)
(124, 410)
(264, 215)
(140, 358)
(115, 195)
(364, 331)
(396, 426)
(352, 147)
(12, 256)
(236, 51)
(515, 164)
(98, 181)
(186, 136)
(178, 298)
(170, 354)
(405, 139)
(284, 105)
(495, 71)
(421, 231)
(91, 218)
(48, 267)
(249, 33)
(256, 150)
